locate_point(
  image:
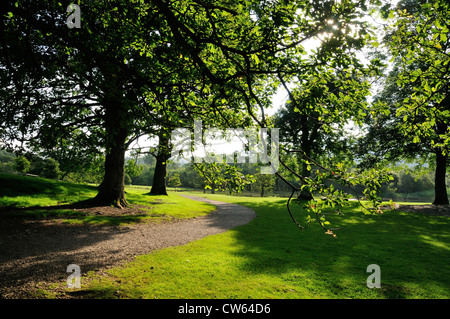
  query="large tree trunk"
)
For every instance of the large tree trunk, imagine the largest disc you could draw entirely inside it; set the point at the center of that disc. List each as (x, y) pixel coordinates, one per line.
(440, 187)
(112, 188)
(159, 178)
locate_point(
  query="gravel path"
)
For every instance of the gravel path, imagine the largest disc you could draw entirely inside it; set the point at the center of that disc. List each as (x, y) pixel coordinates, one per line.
(34, 253)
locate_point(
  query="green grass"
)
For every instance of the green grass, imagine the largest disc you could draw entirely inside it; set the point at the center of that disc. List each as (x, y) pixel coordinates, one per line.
(30, 197)
(271, 258)
(22, 191)
(267, 258)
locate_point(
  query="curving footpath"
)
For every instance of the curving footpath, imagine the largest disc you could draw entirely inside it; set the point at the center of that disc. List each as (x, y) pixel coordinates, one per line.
(38, 252)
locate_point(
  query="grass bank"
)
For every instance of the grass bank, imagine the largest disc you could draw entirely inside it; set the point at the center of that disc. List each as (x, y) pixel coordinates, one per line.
(31, 197)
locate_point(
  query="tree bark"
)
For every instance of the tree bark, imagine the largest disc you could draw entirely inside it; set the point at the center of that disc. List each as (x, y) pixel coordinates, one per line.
(112, 188)
(159, 178)
(440, 187)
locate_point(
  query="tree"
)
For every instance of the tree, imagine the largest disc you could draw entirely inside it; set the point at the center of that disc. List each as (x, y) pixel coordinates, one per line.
(264, 182)
(162, 156)
(412, 111)
(190, 177)
(51, 169)
(312, 121)
(91, 172)
(111, 76)
(81, 80)
(132, 168)
(127, 179)
(21, 164)
(6, 161)
(174, 180)
(224, 177)
(429, 105)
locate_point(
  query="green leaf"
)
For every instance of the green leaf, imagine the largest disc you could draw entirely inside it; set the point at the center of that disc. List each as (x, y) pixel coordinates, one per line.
(255, 58)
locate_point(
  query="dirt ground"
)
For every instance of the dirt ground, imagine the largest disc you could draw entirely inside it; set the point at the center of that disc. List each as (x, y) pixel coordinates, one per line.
(34, 254)
(440, 210)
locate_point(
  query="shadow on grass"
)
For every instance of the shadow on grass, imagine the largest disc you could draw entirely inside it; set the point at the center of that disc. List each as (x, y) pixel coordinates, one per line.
(411, 249)
(85, 211)
(16, 185)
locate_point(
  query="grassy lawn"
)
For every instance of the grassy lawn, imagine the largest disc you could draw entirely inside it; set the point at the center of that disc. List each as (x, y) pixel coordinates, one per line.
(31, 197)
(267, 258)
(271, 258)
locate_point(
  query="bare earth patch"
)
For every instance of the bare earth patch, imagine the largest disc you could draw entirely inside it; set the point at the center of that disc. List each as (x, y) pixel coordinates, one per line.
(35, 254)
(439, 210)
(114, 211)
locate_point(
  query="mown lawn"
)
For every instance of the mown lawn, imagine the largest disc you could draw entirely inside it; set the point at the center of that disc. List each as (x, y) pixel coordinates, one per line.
(267, 258)
(271, 258)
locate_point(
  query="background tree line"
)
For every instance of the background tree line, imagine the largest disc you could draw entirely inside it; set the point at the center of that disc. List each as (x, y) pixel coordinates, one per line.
(408, 182)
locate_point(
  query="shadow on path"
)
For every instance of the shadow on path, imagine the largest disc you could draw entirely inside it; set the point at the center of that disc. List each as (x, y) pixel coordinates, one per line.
(39, 251)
